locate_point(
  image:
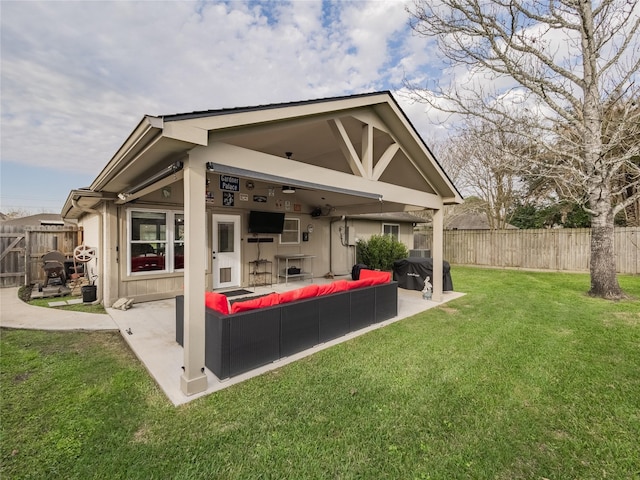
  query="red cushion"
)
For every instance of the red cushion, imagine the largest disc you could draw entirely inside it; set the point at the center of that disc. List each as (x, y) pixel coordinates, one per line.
(363, 282)
(333, 287)
(298, 294)
(341, 285)
(216, 301)
(326, 289)
(260, 302)
(289, 296)
(380, 277)
(309, 291)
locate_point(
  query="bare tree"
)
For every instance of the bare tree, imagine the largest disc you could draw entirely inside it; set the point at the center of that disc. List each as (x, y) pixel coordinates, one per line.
(548, 71)
(487, 165)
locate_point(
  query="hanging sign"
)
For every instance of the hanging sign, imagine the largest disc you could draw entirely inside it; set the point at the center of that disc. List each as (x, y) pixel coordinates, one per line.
(228, 199)
(230, 184)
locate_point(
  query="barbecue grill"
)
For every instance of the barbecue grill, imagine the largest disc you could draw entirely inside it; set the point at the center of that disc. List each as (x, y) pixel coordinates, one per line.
(53, 266)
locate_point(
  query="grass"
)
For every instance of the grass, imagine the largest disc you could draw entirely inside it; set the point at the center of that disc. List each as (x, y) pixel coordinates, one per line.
(78, 307)
(526, 377)
(25, 294)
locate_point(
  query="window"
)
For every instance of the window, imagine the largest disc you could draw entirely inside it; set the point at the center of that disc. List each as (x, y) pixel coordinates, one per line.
(156, 241)
(178, 241)
(291, 231)
(391, 229)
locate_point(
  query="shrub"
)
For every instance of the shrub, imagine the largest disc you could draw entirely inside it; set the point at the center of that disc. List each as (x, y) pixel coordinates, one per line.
(380, 251)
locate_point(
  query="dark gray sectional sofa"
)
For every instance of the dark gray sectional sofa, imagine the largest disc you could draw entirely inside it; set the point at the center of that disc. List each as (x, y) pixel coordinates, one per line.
(239, 342)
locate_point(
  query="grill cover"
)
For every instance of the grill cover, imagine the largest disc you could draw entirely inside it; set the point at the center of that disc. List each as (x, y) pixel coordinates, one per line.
(411, 272)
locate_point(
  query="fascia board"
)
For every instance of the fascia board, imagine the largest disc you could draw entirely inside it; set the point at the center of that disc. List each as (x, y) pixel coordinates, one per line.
(186, 133)
(279, 114)
(148, 129)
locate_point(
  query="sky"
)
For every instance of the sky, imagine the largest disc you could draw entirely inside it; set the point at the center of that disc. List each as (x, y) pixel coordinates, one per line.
(77, 77)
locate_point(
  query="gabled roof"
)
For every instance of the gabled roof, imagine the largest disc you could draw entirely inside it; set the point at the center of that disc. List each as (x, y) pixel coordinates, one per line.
(268, 106)
(323, 134)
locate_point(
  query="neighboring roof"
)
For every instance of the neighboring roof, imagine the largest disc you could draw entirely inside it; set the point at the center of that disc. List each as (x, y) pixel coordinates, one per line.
(400, 217)
(39, 220)
(471, 221)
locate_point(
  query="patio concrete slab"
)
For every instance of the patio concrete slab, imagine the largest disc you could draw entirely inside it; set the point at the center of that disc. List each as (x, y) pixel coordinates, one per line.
(149, 329)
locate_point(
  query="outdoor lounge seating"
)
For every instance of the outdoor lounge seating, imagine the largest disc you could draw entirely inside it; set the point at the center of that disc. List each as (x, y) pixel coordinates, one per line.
(238, 342)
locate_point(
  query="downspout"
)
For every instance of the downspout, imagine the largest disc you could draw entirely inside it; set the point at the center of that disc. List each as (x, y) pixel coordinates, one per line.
(346, 244)
(334, 220)
(75, 204)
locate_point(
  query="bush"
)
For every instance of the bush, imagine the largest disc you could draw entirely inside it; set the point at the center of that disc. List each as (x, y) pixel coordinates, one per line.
(380, 251)
(24, 293)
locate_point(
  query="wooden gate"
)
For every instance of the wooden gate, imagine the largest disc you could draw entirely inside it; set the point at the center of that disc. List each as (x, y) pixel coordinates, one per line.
(22, 248)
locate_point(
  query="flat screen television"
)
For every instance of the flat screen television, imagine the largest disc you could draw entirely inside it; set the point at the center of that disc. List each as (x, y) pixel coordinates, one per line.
(266, 222)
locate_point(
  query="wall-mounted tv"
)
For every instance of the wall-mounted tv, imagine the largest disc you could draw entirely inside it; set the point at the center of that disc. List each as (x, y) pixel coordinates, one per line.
(266, 222)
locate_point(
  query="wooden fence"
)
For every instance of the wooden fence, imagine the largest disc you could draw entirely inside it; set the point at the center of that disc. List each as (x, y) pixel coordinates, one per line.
(21, 250)
(545, 249)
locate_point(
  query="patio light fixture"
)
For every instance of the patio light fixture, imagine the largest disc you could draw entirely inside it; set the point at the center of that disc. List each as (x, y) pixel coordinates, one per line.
(288, 189)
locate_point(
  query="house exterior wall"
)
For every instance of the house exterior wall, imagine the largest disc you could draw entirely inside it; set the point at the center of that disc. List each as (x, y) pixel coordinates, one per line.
(346, 233)
(90, 224)
(364, 229)
(150, 286)
(326, 242)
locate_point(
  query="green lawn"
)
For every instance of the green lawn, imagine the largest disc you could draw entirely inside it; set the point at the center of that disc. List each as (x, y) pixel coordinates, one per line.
(525, 377)
(79, 307)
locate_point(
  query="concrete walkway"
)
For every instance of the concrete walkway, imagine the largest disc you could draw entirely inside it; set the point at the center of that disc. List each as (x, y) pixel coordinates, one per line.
(14, 313)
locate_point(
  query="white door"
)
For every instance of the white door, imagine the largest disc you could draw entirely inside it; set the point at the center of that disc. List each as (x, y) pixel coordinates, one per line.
(226, 251)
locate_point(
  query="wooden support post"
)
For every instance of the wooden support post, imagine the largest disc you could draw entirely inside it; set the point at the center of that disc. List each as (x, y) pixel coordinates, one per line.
(438, 227)
(194, 378)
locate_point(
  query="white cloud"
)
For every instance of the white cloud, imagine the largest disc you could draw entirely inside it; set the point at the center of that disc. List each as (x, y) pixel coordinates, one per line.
(78, 76)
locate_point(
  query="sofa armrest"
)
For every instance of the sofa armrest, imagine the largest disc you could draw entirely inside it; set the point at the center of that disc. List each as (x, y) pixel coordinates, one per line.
(216, 343)
(386, 301)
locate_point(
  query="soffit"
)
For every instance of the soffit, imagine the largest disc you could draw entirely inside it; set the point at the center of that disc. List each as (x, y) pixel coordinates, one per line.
(312, 141)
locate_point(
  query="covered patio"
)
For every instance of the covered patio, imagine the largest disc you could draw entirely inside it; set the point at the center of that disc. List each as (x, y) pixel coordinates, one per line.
(185, 186)
(149, 329)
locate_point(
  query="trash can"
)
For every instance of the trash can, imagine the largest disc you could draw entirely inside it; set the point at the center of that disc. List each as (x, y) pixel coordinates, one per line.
(355, 270)
(89, 293)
